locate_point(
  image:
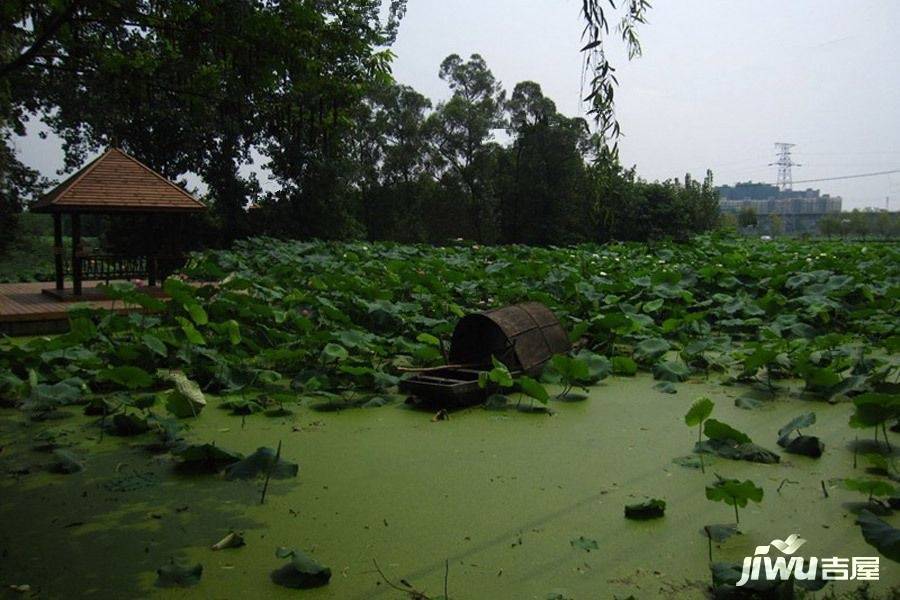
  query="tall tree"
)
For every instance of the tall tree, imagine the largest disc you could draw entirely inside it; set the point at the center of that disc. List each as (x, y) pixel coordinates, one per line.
(545, 192)
(463, 134)
(194, 87)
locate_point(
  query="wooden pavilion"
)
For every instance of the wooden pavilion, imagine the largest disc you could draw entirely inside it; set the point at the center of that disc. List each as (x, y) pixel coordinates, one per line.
(112, 184)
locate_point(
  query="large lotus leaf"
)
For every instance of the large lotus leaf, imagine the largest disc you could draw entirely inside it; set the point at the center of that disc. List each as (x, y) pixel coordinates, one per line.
(885, 538)
(760, 357)
(747, 451)
(806, 445)
(872, 487)
(716, 430)
(67, 391)
(874, 408)
(650, 349)
(174, 575)
(699, 411)
(533, 389)
(302, 572)
(799, 422)
(623, 365)
(571, 369)
(599, 367)
(260, 464)
(733, 491)
(671, 371)
(186, 400)
(127, 424)
(206, 457)
(126, 376)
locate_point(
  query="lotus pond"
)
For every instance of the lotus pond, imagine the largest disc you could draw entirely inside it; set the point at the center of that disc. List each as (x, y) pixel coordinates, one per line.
(129, 446)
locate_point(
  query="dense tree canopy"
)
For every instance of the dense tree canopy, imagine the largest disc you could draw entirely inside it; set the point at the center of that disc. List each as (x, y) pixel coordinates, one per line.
(304, 89)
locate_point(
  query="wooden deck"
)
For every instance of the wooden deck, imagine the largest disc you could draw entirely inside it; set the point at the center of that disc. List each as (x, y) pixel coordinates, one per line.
(25, 310)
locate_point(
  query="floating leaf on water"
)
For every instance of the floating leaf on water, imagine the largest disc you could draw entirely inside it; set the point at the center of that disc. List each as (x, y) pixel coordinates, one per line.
(584, 543)
(127, 424)
(882, 536)
(174, 575)
(302, 572)
(728, 449)
(799, 422)
(716, 430)
(805, 445)
(259, 464)
(66, 463)
(651, 509)
(666, 387)
(207, 458)
(720, 532)
(747, 403)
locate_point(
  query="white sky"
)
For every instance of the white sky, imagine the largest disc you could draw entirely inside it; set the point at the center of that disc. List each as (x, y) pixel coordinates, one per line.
(719, 82)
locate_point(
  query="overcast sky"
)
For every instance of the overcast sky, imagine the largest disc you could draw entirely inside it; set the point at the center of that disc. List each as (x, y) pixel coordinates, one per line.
(718, 84)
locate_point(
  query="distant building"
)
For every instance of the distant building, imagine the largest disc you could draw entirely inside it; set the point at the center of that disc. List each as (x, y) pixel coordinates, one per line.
(800, 211)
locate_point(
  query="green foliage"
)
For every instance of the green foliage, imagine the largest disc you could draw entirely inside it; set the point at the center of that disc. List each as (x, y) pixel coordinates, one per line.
(696, 415)
(734, 493)
(879, 534)
(716, 430)
(699, 412)
(870, 487)
(334, 321)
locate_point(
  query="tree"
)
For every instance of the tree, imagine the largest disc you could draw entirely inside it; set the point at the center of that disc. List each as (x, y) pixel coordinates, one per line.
(776, 224)
(462, 131)
(544, 184)
(747, 217)
(200, 87)
(859, 223)
(830, 225)
(394, 171)
(884, 224)
(603, 80)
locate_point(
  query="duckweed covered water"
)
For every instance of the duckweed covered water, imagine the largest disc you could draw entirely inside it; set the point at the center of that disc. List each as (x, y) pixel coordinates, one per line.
(500, 495)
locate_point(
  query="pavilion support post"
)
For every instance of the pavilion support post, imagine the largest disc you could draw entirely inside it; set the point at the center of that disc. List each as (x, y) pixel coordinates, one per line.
(58, 249)
(76, 254)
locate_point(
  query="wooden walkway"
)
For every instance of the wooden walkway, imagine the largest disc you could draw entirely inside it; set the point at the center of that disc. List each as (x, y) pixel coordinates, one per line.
(25, 310)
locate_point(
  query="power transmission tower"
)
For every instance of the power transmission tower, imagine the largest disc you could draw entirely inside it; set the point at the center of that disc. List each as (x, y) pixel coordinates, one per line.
(784, 163)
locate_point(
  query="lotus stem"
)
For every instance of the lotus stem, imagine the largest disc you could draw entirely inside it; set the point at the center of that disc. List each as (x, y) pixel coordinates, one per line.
(262, 498)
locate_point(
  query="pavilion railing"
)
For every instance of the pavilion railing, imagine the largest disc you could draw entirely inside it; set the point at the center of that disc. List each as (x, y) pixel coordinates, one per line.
(106, 267)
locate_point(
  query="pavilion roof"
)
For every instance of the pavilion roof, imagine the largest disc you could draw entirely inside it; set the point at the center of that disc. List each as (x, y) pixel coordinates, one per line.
(117, 182)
